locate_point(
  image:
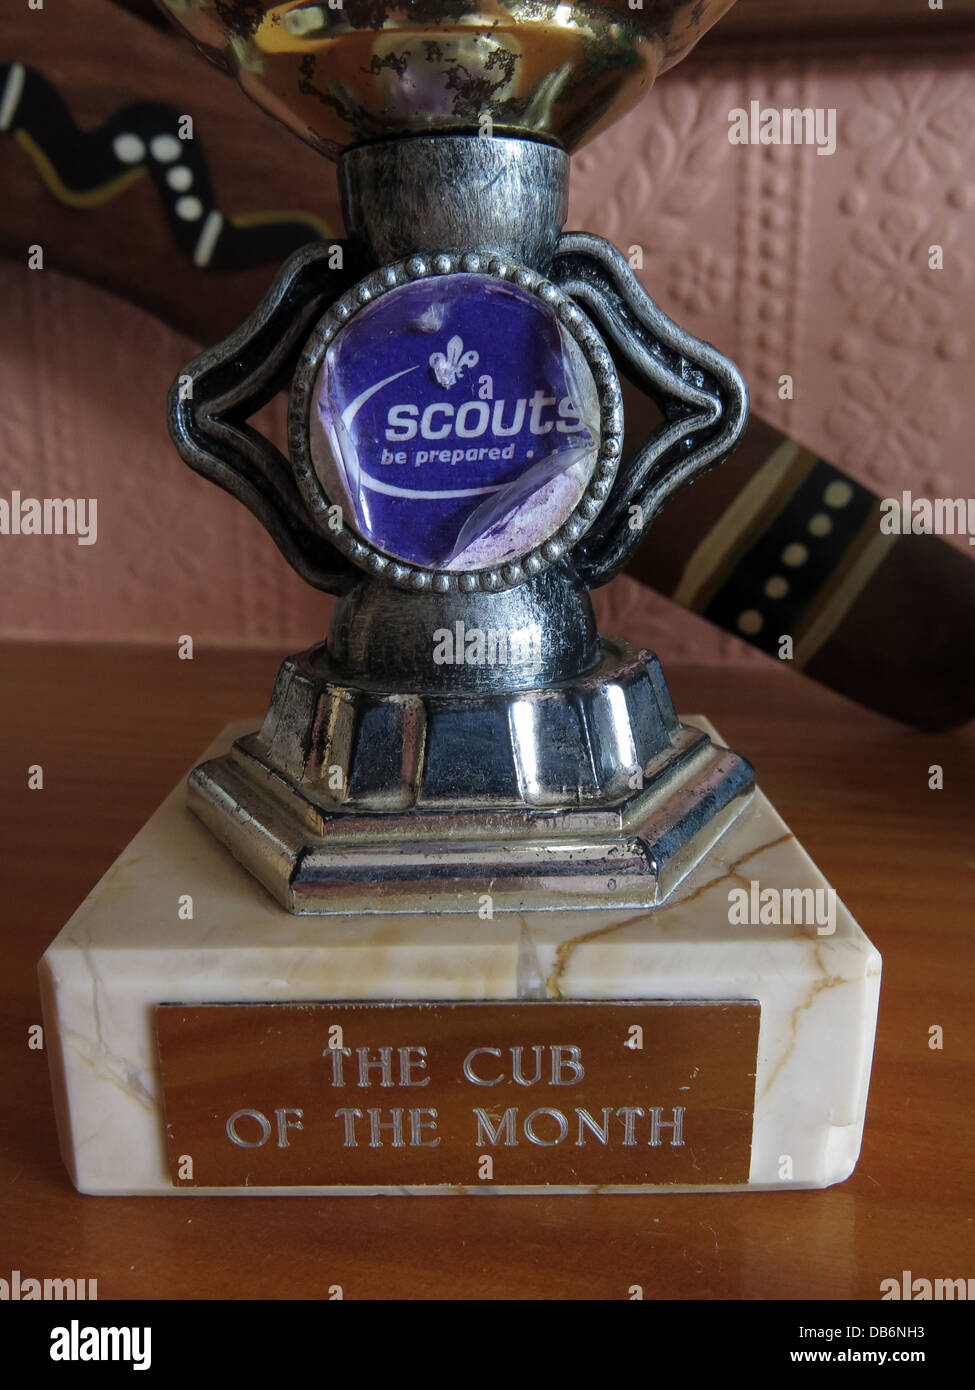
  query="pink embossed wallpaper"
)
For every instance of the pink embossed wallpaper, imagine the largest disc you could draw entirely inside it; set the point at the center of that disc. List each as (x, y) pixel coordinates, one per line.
(819, 266)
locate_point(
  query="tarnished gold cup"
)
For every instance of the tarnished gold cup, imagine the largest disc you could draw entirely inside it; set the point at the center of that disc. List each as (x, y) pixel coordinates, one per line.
(364, 70)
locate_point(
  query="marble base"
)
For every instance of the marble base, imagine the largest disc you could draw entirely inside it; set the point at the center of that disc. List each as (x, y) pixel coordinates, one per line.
(129, 947)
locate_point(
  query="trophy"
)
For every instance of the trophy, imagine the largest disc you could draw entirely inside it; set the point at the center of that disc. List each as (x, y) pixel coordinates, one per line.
(493, 917)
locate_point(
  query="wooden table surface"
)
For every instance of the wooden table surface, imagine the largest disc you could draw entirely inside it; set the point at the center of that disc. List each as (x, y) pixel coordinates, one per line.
(115, 728)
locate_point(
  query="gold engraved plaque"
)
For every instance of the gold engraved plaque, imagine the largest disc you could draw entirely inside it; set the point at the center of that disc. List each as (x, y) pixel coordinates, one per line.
(459, 1096)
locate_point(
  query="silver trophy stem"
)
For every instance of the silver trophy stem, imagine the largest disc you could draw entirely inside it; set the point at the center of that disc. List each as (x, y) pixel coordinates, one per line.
(460, 194)
(383, 635)
(456, 193)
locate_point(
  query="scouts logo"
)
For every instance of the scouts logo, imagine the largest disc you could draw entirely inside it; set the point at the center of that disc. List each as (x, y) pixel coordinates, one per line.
(433, 464)
(450, 368)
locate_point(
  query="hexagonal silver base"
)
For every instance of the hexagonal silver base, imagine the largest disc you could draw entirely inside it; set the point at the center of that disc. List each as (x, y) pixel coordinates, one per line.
(586, 794)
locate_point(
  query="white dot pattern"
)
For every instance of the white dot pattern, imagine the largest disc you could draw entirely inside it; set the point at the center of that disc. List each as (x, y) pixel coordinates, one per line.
(837, 494)
(165, 148)
(129, 148)
(179, 178)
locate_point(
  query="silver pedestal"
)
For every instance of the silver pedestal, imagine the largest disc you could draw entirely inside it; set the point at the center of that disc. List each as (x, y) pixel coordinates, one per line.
(587, 793)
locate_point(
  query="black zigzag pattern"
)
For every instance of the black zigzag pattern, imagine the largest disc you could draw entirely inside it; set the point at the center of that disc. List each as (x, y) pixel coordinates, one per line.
(144, 135)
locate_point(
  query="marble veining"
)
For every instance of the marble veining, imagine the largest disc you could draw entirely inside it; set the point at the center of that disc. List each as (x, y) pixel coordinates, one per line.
(128, 948)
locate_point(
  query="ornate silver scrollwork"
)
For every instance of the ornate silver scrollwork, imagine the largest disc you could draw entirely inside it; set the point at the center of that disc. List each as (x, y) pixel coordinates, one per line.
(218, 391)
(701, 394)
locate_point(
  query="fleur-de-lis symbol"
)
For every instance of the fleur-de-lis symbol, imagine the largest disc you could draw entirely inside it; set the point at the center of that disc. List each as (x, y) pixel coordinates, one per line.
(449, 368)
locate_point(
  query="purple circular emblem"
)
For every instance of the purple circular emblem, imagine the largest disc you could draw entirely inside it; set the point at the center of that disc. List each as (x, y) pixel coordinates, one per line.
(455, 421)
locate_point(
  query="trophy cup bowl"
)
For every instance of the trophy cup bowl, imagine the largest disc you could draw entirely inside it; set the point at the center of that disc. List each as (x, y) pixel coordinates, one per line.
(365, 71)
